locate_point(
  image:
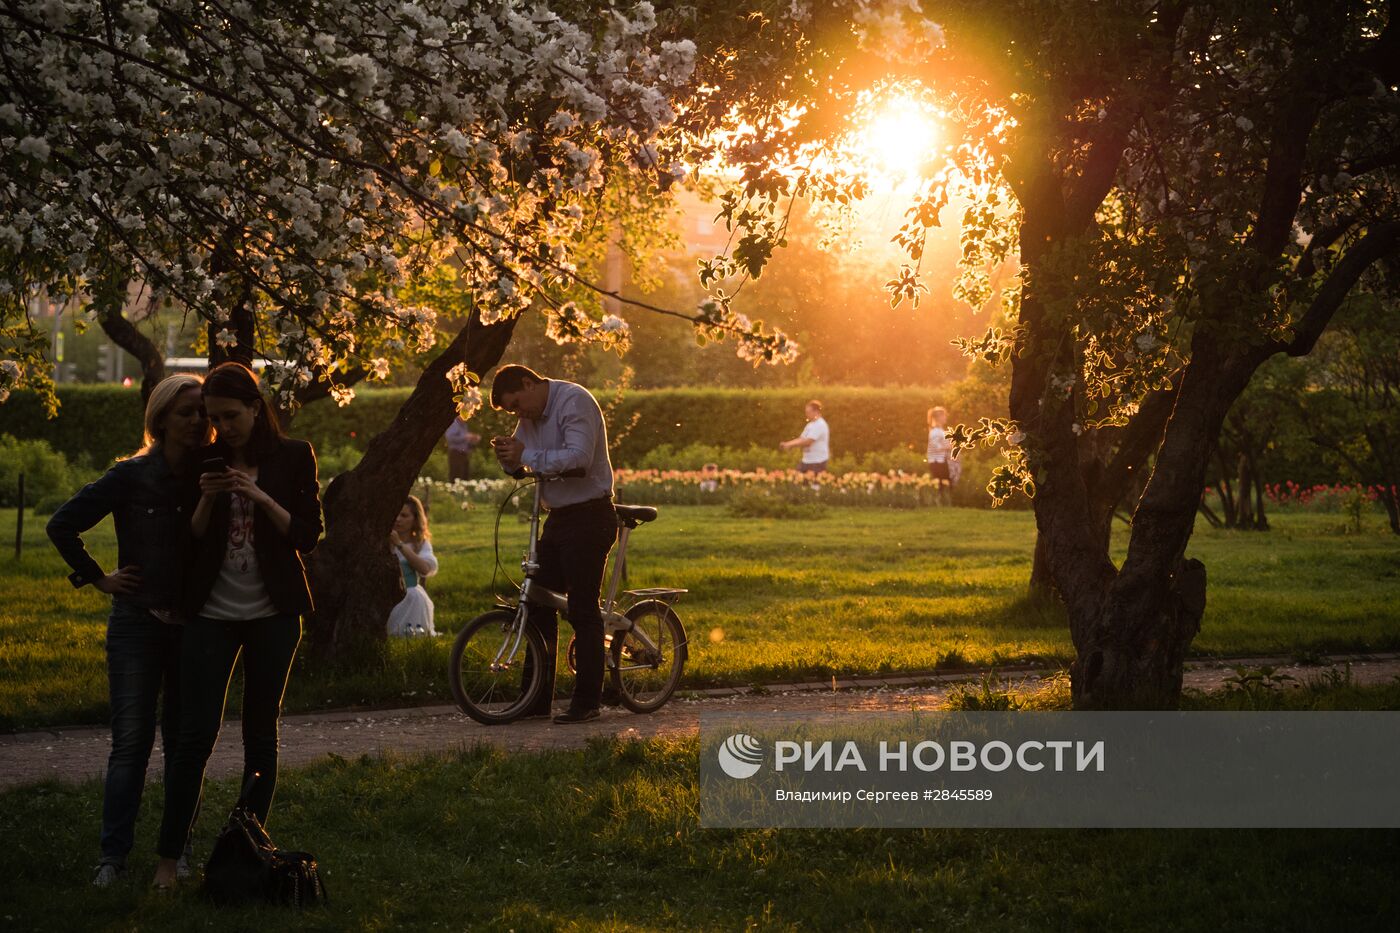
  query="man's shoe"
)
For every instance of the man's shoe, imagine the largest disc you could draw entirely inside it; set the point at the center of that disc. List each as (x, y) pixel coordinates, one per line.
(572, 715)
(108, 874)
(182, 865)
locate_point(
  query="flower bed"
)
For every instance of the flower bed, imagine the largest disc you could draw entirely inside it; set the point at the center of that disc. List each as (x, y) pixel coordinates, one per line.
(893, 489)
(1323, 498)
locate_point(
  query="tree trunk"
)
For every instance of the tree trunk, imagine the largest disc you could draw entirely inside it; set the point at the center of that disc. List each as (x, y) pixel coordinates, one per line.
(354, 578)
(1113, 465)
(1130, 654)
(127, 336)
(1392, 509)
(1246, 489)
(1261, 521)
(1210, 515)
(1042, 585)
(1227, 494)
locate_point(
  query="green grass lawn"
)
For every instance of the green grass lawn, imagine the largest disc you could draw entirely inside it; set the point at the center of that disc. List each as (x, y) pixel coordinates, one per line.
(857, 591)
(607, 838)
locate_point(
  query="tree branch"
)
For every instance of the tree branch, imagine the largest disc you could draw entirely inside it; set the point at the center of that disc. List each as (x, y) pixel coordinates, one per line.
(1110, 136)
(126, 335)
(1137, 441)
(1322, 240)
(1378, 242)
(1283, 179)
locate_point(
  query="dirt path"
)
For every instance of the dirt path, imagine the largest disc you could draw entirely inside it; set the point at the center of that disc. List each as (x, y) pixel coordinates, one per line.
(76, 754)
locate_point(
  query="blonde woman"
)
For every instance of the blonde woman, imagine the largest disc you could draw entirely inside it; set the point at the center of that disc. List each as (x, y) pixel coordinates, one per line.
(150, 496)
(412, 545)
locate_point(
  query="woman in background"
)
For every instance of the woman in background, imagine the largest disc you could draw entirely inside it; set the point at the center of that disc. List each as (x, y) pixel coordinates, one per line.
(940, 455)
(150, 496)
(258, 512)
(412, 544)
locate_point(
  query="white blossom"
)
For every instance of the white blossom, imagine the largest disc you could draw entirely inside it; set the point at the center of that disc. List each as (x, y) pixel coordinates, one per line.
(35, 147)
(268, 121)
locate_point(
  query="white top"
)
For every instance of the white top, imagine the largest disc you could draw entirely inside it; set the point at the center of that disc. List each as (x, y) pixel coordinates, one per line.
(819, 451)
(238, 594)
(569, 434)
(939, 447)
(423, 553)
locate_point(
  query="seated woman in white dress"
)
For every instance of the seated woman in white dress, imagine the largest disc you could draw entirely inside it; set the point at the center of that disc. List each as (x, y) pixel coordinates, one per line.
(413, 546)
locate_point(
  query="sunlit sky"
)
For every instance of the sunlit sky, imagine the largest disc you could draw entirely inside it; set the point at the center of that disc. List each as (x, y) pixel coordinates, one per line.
(896, 141)
(896, 144)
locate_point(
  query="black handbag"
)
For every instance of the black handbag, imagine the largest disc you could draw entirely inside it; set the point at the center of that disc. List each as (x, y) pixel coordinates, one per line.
(245, 866)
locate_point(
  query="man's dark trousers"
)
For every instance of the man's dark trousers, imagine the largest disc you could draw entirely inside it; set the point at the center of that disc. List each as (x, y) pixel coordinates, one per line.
(573, 552)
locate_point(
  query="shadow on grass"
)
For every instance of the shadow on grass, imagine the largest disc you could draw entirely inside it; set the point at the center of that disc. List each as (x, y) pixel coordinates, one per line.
(606, 837)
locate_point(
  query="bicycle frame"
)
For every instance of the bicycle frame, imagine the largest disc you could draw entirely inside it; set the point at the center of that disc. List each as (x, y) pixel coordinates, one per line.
(533, 593)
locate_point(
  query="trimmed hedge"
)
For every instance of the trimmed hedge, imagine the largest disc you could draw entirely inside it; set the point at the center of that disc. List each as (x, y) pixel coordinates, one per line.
(101, 423)
(96, 424)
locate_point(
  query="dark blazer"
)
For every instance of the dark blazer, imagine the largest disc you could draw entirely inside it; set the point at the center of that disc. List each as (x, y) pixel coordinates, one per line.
(288, 474)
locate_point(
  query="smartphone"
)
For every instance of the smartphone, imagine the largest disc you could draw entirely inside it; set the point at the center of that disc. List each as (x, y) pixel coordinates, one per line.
(213, 465)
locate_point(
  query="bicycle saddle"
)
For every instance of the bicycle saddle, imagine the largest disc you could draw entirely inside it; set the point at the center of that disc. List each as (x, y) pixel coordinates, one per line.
(634, 515)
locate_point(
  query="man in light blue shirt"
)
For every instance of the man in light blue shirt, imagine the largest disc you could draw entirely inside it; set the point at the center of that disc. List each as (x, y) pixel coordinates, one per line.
(561, 428)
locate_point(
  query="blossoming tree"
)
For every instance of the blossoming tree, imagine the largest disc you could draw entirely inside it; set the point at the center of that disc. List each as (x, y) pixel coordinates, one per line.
(280, 171)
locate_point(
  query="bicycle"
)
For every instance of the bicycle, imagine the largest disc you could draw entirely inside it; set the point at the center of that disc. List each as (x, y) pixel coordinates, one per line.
(495, 654)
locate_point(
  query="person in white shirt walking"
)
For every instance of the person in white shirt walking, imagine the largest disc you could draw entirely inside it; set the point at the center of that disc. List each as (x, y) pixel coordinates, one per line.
(561, 428)
(940, 461)
(815, 441)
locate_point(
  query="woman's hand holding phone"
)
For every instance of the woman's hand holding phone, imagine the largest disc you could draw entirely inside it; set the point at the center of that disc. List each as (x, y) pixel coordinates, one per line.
(214, 480)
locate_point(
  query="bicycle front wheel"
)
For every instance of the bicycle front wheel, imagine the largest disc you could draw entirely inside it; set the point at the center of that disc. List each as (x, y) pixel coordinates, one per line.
(649, 657)
(493, 667)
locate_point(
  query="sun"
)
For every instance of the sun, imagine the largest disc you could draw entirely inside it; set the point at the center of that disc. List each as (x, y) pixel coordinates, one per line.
(895, 142)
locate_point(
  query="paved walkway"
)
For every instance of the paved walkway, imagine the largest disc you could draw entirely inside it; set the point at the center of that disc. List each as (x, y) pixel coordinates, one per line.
(76, 754)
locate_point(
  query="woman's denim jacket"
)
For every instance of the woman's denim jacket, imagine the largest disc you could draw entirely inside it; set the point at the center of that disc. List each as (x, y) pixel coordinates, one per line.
(151, 507)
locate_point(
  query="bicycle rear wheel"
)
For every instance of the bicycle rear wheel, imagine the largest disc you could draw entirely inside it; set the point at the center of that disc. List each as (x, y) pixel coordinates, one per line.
(647, 674)
(493, 665)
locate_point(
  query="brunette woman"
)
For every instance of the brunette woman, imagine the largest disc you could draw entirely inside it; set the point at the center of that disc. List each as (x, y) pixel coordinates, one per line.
(258, 512)
(413, 546)
(150, 497)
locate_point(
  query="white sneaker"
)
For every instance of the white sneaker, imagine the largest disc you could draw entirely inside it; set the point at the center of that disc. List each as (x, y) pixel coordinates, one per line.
(107, 875)
(182, 865)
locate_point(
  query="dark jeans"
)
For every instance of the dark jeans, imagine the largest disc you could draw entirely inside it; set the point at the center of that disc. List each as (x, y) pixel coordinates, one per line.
(211, 647)
(143, 657)
(573, 552)
(459, 465)
(812, 467)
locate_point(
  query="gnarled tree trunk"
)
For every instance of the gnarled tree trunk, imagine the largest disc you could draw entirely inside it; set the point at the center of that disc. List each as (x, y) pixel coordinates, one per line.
(1131, 640)
(354, 578)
